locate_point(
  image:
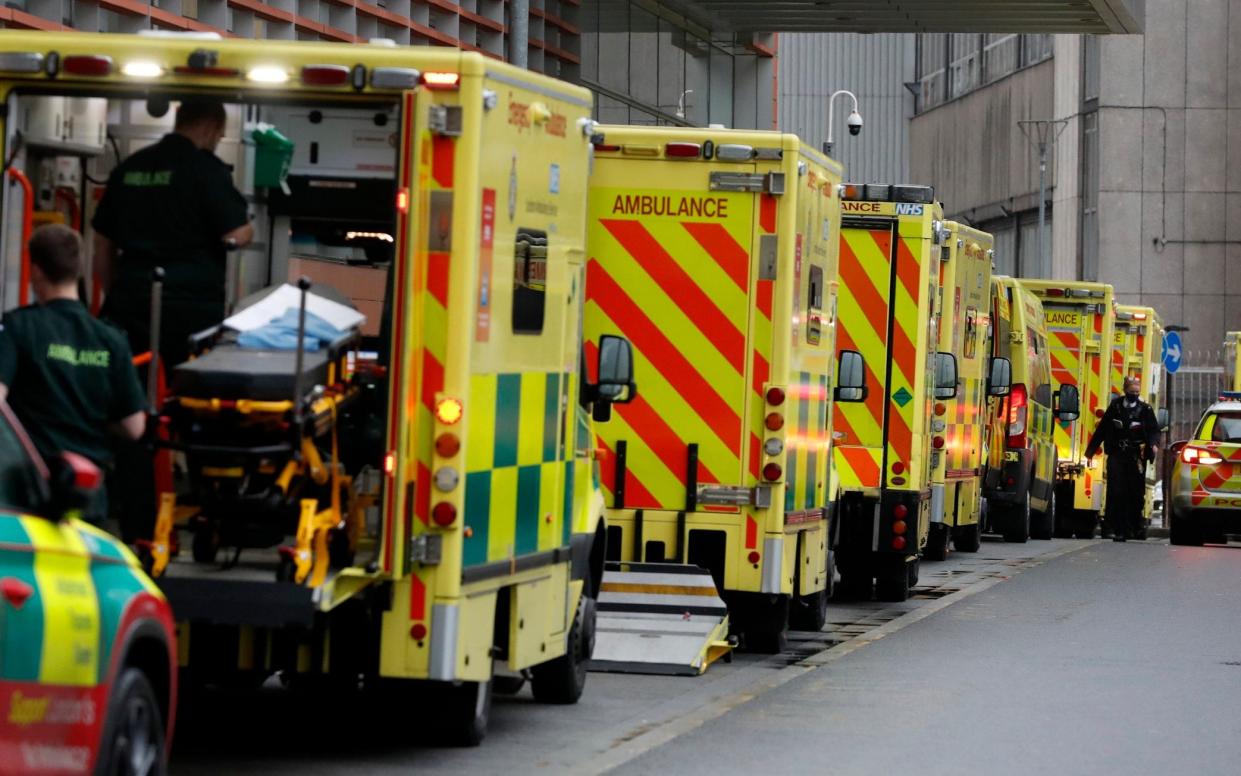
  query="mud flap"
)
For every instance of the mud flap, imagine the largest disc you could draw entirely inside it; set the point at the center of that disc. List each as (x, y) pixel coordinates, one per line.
(659, 618)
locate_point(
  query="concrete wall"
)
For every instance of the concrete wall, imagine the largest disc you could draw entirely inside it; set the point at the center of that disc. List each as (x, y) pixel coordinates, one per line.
(1170, 188)
(874, 67)
(974, 153)
(1067, 195)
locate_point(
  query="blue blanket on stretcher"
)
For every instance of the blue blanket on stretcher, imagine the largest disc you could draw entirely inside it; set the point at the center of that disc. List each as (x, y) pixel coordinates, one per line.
(281, 333)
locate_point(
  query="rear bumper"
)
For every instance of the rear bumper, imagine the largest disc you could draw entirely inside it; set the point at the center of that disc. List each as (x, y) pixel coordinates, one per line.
(866, 525)
(1013, 480)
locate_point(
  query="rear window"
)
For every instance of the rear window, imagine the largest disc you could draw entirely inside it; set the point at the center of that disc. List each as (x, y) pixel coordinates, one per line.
(1222, 427)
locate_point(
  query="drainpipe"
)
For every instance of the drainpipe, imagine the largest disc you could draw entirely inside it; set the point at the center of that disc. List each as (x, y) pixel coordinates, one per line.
(519, 33)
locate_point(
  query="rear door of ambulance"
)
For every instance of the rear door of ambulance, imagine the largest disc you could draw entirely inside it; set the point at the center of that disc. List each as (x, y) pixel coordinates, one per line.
(672, 265)
(1069, 331)
(879, 276)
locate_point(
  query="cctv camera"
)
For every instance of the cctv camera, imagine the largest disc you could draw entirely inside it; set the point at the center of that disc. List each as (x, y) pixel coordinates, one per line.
(855, 123)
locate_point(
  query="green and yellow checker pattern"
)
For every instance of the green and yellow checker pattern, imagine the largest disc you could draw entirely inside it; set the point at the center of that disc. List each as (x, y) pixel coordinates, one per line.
(807, 444)
(82, 580)
(518, 485)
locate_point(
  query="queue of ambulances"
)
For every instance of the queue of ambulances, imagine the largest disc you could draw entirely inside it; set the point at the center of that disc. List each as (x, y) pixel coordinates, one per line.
(963, 310)
(1138, 338)
(442, 192)
(890, 252)
(715, 252)
(1080, 318)
(1020, 482)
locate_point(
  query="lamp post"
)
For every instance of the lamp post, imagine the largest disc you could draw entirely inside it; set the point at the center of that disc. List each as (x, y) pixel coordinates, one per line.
(854, 121)
(1042, 133)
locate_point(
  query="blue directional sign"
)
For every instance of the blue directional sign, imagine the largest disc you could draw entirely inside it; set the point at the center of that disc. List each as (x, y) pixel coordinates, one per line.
(1171, 352)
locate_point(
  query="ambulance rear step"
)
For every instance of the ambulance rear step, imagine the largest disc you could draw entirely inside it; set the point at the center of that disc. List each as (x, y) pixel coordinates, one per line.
(659, 618)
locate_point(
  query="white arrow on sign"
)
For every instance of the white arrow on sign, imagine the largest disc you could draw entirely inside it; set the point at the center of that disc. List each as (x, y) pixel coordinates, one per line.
(1174, 352)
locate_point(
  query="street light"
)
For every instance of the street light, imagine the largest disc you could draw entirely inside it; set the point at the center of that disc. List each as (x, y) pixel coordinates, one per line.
(854, 121)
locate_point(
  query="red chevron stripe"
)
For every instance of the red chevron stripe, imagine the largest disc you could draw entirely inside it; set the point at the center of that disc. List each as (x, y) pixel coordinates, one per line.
(432, 378)
(858, 284)
(908, 269)
(721, 246)
(680, 288)
(767, 213)
(635, 492)
(756, 452)
(841, 425)
(675, 368)
(668, 447)
(765, 292)
(437, 276)
(874, 401)
(442, 148)
(863, 465)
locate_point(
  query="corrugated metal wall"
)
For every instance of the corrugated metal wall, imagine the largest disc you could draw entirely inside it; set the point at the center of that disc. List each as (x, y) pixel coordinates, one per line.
(875, 68)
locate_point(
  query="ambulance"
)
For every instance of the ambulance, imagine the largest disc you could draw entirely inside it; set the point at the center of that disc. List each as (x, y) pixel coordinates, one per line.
(1080, 318)
(1021, 476)
(715, 252)
(891, 244)
(444, 194)
(963, 297)
(1232, 355)
(1138, 338)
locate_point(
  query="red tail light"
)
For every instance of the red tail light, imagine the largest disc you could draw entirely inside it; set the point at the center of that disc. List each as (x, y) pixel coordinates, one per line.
(444, 514)
(775, 396)
(682, 150)
(325, 75)
(754, 557)
(900, 527)
(899, 511)
(898, 468)
(1018, 411)
(87, 65)
(774, 421)
(418, 631)
(772, 472)
(898, 542)
(1196, 455)
(1056, 292)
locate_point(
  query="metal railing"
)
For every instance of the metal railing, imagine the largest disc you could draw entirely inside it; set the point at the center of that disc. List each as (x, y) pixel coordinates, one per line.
(1194, 387)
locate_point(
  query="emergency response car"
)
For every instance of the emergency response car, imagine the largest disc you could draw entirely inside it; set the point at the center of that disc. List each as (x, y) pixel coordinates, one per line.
(442, 193)
(964, 327)
(890, 248)
(1138, 337)
(715, 252)
(1080, 320)
(1019, 488)
(87, 645)
(1205, 489)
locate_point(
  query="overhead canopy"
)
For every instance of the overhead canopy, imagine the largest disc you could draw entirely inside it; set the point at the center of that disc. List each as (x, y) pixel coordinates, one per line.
(1071, 16)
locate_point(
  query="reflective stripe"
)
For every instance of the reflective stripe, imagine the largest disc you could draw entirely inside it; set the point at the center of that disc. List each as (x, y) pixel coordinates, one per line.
(62, 567)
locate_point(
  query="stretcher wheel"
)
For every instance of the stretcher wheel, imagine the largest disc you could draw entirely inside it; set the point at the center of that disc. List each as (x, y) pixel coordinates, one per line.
(206, 543)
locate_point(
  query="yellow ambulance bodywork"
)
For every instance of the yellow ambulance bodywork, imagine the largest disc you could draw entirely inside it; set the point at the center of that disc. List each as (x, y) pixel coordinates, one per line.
(889, 257)
(1232, 356)
(715, 252)
(963, 311)
(1080, 320)
(490, 528)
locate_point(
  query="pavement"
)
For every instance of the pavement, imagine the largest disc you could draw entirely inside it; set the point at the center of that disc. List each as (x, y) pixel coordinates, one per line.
(1079, 657)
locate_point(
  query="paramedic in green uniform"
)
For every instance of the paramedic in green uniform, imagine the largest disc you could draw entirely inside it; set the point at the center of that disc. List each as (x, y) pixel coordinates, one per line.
(69, 377)
(171, 205)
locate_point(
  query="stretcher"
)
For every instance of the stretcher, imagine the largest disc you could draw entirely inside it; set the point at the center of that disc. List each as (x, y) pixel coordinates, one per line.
(260, 432)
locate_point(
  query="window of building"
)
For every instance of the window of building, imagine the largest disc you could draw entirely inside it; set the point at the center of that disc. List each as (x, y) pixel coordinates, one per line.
(932, 59)
(1090, 68)
(953, 65)
(999, 56)
(965, 64)
(529, 281)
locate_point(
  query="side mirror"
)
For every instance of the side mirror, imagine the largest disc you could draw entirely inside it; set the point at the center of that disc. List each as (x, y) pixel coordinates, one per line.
(945, 376)
(1000, 381)
(615, 370)
(73, 482)
(851, 377)
(1163, 418)
(1067, 403)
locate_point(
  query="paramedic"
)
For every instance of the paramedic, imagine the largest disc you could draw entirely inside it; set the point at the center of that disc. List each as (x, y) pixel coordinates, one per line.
(1129, 434)
(69, 378)
(171, 205)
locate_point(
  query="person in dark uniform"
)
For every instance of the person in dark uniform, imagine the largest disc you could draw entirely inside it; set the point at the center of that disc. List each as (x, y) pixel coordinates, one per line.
(171, 205)
(1129, 434)
(69, 377)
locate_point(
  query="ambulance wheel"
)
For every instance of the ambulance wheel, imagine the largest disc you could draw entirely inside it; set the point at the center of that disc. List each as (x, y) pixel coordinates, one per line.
(1015, 521)
(967, 538)
(1084, 524)
(507, 685)
(563, 679)
(464, 713)
(133, 735)
(206, 543)
(766, 625)
(893, 585)
(1043, 524)
(937, 542)
(809, 612)
(854, 585)
(911, 571)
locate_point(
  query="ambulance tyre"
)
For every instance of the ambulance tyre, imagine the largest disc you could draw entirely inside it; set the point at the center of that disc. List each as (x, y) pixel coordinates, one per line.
(937, 542)
(855, 585)
(563, 679)
(809, 612)
(967, 538)
(1015, 522)
(1084, 523)
(893, 584)
(463, 716)
(1043, 524)
(507, 685)
(133, 734)
(766, 624)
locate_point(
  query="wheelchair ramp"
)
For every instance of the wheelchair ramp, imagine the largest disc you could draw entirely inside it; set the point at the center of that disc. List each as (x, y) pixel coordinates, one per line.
(659, 618)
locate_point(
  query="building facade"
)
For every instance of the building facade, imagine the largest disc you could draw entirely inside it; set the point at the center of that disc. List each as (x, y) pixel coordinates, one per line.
(1144, 176)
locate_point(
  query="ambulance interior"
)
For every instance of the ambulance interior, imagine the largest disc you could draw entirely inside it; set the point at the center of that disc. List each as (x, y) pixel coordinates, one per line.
(332, 220)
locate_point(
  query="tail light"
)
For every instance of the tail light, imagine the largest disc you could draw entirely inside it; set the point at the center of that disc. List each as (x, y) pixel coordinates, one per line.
(87, 65)
(754, 557)
(682, 150)
(447, 445)
(774, 421)
(1098, 413)
(900, 511)
(444, 514)
(898, 542)
(898, 468)
(325, 75)
(1198, 455)
(418, 631)
(772, 472)
(1018, 411)
(775, 396)
(900, 527)
(390, 464)
(448, 411)
(940, 408)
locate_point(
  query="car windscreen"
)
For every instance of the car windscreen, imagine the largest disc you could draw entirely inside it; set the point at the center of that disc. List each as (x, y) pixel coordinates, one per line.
(1226, 427)
(20, 482)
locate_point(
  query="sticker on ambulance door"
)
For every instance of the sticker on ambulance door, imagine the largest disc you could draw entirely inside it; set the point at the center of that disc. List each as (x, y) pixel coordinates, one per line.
(554, 186)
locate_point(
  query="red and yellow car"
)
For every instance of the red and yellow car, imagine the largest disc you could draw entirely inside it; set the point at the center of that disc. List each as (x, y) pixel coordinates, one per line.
(1205, 498)
(87, 643)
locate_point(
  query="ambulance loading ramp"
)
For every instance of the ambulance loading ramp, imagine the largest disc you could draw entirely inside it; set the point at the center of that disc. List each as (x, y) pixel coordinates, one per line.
(659, 618)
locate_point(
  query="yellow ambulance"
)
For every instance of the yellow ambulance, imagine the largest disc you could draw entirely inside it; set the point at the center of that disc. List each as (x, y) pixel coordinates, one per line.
(963, 298)
(1080, 319)
(1139, 338)
(458, 183)
(715, 252)
(891, 242)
